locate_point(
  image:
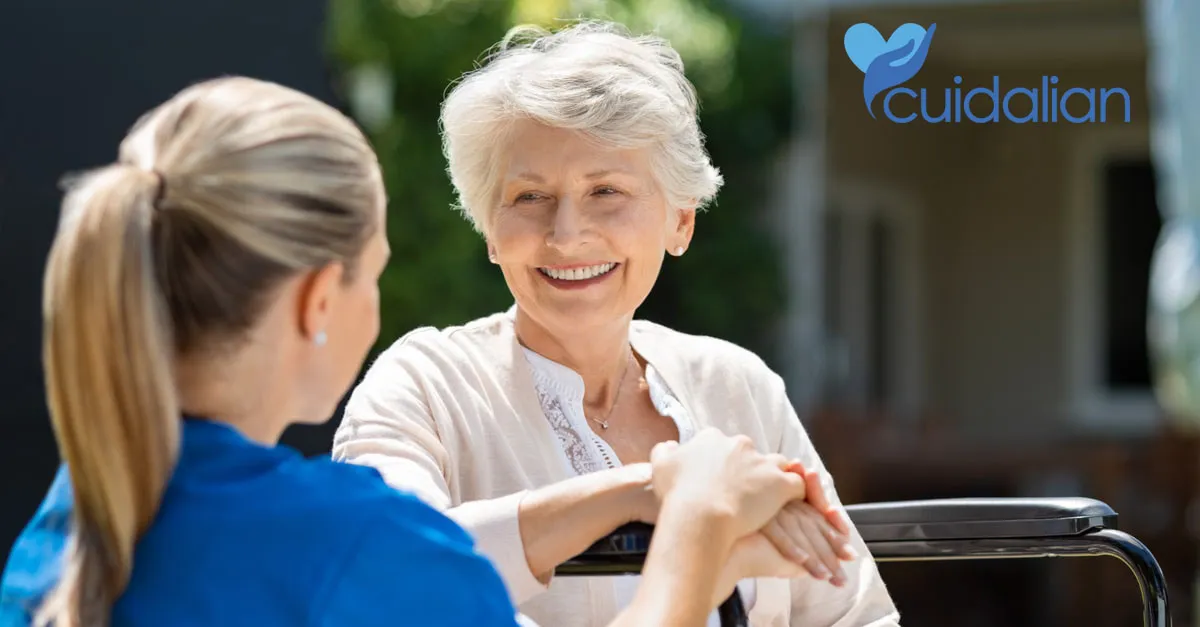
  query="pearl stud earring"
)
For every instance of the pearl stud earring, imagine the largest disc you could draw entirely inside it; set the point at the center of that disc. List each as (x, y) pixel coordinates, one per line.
(320, 338)
(678, 251)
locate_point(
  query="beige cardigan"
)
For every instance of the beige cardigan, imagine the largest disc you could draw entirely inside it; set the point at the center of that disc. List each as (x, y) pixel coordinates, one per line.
(452, 415)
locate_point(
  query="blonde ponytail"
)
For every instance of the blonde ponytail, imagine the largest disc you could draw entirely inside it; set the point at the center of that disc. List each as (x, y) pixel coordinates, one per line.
(107, 352)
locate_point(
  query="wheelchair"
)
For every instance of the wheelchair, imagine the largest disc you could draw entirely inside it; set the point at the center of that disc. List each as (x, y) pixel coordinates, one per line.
(943, 529)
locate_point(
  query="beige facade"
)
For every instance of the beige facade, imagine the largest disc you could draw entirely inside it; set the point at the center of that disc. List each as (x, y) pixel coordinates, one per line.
(992, 297)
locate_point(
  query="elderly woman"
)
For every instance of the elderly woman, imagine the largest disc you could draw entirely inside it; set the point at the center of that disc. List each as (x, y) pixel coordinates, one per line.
(578, 157)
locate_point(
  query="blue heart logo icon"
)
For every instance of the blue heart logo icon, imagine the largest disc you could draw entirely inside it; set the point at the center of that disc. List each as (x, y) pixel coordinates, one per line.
(887, 62)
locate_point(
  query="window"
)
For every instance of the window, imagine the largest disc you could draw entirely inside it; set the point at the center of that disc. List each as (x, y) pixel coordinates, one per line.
(1113, 228)
(1131, 226)
(871, 291)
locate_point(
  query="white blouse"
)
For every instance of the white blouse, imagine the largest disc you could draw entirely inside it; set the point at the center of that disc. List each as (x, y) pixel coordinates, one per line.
(455, 416)
(560, 391)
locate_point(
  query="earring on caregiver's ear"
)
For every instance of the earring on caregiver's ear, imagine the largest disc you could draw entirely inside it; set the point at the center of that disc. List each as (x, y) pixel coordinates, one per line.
(320, 338)
(679, 251)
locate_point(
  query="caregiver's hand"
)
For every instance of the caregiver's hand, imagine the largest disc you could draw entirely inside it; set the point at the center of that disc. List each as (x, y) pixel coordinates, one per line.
(715, 490)
(811, 532)
(724, 476)
(642, 505)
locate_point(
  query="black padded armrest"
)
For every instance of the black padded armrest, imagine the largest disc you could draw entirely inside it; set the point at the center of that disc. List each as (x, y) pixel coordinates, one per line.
(624, 551)
(979, 518)
(621, 552)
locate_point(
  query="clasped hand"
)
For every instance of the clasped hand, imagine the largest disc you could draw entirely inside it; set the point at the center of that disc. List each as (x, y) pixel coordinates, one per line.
(784, 521)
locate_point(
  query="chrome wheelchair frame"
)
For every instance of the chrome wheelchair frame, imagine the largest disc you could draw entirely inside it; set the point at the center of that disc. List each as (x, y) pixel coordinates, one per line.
(944, 529)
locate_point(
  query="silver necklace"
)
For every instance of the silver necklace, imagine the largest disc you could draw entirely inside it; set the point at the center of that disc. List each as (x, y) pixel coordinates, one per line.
(617, 397)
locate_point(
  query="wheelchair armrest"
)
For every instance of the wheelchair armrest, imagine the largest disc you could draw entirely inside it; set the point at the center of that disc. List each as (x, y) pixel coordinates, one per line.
(980, 518)
(620, 552)
(624, 550)
(942, 529)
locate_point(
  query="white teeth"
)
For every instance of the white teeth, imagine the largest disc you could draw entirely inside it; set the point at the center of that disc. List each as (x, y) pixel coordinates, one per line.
(578, 274)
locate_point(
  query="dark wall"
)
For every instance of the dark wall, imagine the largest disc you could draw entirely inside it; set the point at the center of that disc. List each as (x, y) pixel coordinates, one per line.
(74, 76)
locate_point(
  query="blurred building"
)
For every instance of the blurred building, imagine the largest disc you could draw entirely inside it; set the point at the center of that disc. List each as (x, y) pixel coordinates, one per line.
(969, 300)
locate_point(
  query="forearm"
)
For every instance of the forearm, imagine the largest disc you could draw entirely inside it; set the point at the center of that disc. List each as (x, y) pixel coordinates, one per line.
(561, 520)
(690, 547)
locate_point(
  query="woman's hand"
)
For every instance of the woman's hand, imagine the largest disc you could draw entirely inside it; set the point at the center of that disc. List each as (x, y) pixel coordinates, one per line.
(754, 556)
(798, 541)
(642, 505)
(805, 536)
(813, 534)
(725, 477)
(716, 492)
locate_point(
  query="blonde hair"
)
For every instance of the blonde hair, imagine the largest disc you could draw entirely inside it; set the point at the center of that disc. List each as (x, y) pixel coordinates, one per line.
(218, 195)
(622, 91)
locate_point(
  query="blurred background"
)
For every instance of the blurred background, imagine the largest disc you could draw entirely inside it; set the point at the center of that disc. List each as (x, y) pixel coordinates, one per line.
(959, 309)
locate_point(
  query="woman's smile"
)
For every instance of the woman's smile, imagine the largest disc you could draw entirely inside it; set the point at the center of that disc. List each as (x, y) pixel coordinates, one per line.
(576, 277)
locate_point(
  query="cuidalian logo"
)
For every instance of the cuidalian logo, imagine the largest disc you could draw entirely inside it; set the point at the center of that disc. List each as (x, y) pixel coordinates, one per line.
(887, 63)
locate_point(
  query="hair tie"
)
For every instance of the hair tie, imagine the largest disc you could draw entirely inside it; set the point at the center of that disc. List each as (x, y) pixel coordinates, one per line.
(161, 190)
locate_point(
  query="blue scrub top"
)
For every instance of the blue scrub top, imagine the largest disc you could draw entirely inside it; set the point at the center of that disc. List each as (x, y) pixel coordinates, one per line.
(256, 535)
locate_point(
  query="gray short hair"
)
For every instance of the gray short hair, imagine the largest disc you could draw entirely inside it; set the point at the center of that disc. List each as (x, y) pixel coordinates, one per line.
(623, 91)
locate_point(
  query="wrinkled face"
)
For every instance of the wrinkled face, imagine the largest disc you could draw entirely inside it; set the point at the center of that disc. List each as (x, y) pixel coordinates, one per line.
(580, 230)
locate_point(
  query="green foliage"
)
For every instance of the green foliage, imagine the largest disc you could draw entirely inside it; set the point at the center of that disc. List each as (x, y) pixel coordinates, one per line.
(397, 59)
